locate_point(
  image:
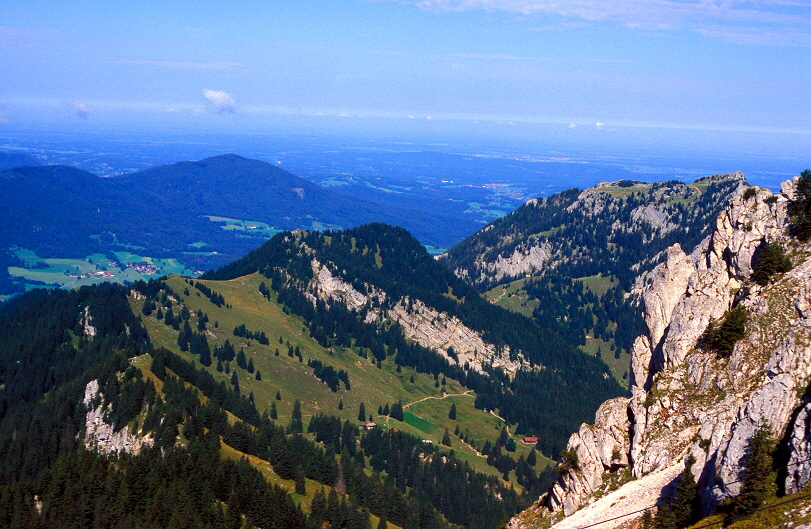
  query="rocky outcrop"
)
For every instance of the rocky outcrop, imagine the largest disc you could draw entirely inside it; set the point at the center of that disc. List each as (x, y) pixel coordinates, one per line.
(688, 401)
(799, 464)
(525, 259)
(100, 436)
(424, 325)
(87, 328)
(603, 445)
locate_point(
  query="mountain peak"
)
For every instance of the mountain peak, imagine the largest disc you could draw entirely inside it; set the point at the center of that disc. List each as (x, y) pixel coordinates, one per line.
(690, 396)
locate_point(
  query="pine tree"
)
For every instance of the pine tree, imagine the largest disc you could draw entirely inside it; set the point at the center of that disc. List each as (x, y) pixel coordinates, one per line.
(362, 412)
(241, 361)
(258, 375)
(685, 508)
(446, 438)
(296, 425)
(273, 413)
(755, 486)
(250, 366)
(300, 482)
(800, 209)
(278, 395)
(452, 413)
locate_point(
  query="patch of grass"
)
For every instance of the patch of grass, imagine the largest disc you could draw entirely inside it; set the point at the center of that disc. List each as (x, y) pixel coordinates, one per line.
(426, 406)
(598, 284)
(419, 423)
(513, 297)
(619, 367)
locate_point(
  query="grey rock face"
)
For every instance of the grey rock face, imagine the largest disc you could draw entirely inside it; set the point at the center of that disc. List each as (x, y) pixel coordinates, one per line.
(428, 327)
(799, 464)
(687, 401)
(100, 436)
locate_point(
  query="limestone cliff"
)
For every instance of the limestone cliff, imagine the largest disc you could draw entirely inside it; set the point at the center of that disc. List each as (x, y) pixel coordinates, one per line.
(685, 400)
(425, 325)
(101, 436)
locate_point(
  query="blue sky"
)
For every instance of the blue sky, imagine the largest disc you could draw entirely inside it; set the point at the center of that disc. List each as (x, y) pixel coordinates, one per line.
(562, 68)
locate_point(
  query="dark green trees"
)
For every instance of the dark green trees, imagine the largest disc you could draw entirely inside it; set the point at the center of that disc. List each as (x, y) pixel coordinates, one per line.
(721, 336)
(296, 425)
(771, 260)
(362, 412)
(800, 208)
(685, 508)
(756, 479)
(452, 413)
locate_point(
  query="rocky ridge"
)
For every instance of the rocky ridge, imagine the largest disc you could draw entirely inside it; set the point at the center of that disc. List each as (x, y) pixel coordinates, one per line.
(516, 253)
(423, 324)
(688, 401)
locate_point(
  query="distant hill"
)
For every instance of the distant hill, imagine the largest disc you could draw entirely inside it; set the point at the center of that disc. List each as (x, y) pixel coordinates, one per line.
(224, 206)
(9, 160)
(571, 260)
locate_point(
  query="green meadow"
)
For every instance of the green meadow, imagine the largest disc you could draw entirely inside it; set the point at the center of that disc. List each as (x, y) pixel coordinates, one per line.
(426, 401)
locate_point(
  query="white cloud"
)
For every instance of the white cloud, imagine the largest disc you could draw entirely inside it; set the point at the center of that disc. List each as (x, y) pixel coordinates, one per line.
(191, 112)
(572, 125)
(222, 101)
(214, 65)
(702, 16)
(599, 125)
(81, 110)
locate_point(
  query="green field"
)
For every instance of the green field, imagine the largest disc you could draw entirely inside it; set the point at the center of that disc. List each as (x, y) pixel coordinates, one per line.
(254, 227)
(426, 406)
(73, 273)
(513, 297)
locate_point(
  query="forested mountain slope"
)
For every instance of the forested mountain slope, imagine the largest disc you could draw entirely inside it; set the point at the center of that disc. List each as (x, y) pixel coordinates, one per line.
(376, 286)
(100, 428)
(250, 397)
(570, 260)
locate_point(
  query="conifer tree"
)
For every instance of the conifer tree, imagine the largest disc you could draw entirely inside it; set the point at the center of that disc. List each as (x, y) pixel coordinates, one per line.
(361, 412)
(800, 208)
(296, 425)
(452, 413)
(755, 487)
(300, 482)
(686, 505)
(446, 438)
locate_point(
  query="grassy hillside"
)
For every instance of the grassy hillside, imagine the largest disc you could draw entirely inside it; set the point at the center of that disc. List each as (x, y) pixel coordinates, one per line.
(427, 406)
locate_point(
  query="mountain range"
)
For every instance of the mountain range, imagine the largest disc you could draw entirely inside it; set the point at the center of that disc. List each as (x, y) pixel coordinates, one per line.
(347, 378)
(205, 213)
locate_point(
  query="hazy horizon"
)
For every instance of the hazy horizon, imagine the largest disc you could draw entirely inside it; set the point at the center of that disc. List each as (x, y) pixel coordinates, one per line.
(712, 76)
